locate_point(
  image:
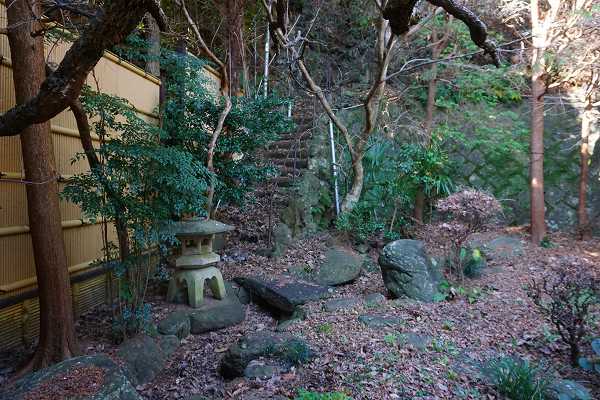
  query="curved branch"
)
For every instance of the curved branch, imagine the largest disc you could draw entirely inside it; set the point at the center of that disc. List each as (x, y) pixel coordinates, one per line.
(399, 13)
(110, 27)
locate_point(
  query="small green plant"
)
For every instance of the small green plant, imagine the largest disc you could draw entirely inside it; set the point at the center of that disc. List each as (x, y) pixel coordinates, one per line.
(391, 339)
(547, 243)
(517, 379)
(325, 328)
(305, 395)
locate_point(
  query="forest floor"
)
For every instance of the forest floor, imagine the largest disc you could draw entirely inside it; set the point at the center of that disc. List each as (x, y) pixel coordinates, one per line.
(496, 319)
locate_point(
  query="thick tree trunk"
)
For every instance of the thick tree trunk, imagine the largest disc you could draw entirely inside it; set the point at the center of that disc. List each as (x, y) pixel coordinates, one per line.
(584, 227)
(57, 335)
(153, 38)
(538, 89)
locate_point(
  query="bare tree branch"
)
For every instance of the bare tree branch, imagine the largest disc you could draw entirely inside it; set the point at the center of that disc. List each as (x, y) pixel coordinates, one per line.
(400, 12)
(224, 91)
(110, 27)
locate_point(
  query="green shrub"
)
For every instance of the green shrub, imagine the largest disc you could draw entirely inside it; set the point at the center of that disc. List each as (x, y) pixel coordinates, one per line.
(517, 379)
(304, 395)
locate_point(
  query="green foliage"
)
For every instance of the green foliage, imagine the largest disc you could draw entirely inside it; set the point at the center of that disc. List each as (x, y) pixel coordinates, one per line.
(517, 379)
(393, 174)
(191, 114)
(427, 168)
(140, 182)
(325, 328)
(304, 395)
(360, 222)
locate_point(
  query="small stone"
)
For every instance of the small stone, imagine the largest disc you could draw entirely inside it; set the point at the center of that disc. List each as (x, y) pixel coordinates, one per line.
(238, 291)
(373, 299)
(378, 321)
(568, 390)
(340, 266)
(217, 314)
(262, 369)
(341, 304)
(176, 323)
(419, 342)
(363, 248)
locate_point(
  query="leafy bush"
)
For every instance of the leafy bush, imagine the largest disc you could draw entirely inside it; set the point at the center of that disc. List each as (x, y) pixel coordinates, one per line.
(360, 222)
(464, 214)
(190, 113)
(140, 183)
(566, 297)
(517, 379)
(304, 395)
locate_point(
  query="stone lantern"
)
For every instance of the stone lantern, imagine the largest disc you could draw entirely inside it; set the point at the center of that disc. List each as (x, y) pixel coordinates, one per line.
(197, 260)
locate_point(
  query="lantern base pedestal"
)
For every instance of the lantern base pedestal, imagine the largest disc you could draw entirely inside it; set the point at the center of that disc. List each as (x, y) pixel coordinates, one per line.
(193, 280)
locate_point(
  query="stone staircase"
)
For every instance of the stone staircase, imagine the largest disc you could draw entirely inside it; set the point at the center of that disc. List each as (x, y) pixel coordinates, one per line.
(291, 152)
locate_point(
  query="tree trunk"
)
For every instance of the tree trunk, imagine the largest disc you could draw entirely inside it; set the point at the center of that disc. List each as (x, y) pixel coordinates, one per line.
(57, 335)
(234, 19)
(353, 196)
(153, 37)
(538, 89)
(584, 227)
(431, 92)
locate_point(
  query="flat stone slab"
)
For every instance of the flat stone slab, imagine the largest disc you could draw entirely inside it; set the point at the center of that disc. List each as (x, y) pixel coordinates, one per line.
(342, 304)
(379, 321)
(374, 299)
(50, 382)
(283, 293)
(217, 314)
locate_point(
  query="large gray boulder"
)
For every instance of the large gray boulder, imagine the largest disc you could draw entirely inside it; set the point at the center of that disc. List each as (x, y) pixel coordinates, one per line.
(340, 266)
(94, 377)
(282, 293)
(407, 270)
(144, 357)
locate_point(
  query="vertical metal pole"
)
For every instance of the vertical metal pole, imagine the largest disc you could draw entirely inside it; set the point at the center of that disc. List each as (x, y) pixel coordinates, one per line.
(267, 57)
(334, 169)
